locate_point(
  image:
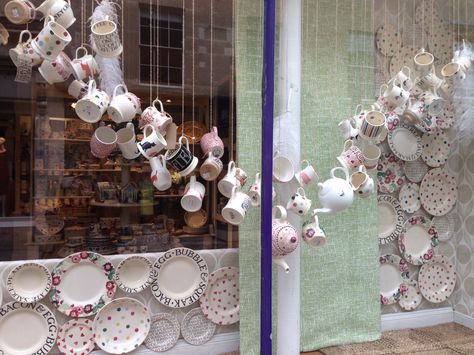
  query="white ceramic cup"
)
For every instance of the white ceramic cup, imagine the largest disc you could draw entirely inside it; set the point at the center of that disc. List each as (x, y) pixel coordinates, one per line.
(371, 154)
(52, 39)
(373, 124)
(313, 234)
(84, 67)
(152, 142)
(93, 105)
(299, 203)
(156, 117)
(307, 174)
(127, 142)
(106, 38)
(423, 61)
(160, 176)
(123, 107)
(347, 129)
(77, 89)
(236, 208)
(362, 183)
(23, 48)
(255, 191)
(404, 76)
(394, 93)
(433, 103)
(61, 11)
(283, 170)
(56, 71)
(351, 156)
(193, 195)
(228, 182)
(211, 167)
(453, 71)
(415, 112)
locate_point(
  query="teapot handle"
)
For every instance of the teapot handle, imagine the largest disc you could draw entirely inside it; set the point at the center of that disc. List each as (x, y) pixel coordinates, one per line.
(340, 168)
(282, 211)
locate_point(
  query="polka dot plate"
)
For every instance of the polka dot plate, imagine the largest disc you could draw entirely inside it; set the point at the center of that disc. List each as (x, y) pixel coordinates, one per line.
(409, 197)
(437, 279)
(447, 118)
(417, 240)
(388, 40)
(438, 192)
(412, 297)
(164, 332)
(393, 275)
(76, 337)
(436, 148)
(220, 302)
(403, 58)
(121, 326)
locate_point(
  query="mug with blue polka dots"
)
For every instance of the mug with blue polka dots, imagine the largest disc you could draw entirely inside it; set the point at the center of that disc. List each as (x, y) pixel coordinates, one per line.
(52, 39)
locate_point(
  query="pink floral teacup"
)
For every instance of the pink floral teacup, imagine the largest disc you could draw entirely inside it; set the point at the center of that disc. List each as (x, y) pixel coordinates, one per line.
(351, 157)
(210, 142)
(156, 117)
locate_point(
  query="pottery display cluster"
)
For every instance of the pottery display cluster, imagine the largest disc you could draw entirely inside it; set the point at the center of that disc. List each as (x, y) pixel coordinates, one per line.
(416, 190)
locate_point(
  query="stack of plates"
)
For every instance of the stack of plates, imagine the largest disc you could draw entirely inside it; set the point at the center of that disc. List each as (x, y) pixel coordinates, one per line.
(100, 243)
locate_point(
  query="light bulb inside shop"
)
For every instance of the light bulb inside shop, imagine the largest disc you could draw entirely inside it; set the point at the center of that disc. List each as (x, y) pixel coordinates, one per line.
(73, 105)
(168, 100)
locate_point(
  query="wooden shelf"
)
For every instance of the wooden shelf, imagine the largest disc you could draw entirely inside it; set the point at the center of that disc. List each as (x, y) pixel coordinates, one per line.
(62, 139)
(120, 205)
(45, 243)
(60, 197)
(167, 196)
(207, 235)
(75, 170)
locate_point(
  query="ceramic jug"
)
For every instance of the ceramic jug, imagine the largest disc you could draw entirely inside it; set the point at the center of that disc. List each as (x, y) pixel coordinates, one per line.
(313, 234)
(160, 176)
(335, 194)
(284, 235)
(348, 130)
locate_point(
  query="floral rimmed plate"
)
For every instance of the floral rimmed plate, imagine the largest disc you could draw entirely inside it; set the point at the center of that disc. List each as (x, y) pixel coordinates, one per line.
(417, 240)
(181, 276)
(27, 328)
(220, 303)
(389, 173)
(405, 142)
(438, 192)
(390, 218)
(436, 148)
(76, 337)
(412, 297)
(164, 332)
(409, 197)
(134, 274)
(196, 328)
(121, 326)
(393, 275)
(29, 282)
(415, 170)
(82, 284)
(444, 225)
(437, 279)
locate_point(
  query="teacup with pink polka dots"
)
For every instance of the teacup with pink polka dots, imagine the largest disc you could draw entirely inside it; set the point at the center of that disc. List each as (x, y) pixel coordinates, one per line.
(299, 203)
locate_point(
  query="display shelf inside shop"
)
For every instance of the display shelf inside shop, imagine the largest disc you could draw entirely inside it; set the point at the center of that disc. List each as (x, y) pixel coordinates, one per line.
(120, 205)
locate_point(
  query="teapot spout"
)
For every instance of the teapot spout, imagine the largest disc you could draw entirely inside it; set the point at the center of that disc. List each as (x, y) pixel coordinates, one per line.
(320, 186)
(324, 210)
(282, 263)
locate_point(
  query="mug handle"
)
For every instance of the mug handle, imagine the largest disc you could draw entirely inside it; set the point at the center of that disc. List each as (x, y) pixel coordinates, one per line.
(145, 130)
(214, 130)
(48, 19)
(230, 167)
(300, 191)
(119, 85)
(362, 169)
(358, 109)
(234, 192)
(192, 183)
(315, 219)
(282, 211)
(408, 71)
(161, 159)
(181, 141)
(257, 178)
(81, 48)
(380, 89)
(131, 126)
(158, 101)
(345, 145)
(333, 170)
(20, 39)
(303, 162)
(92, 86)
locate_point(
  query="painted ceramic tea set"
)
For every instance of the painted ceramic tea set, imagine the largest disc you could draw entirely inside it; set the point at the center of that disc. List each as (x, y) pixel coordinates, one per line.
(116, 325)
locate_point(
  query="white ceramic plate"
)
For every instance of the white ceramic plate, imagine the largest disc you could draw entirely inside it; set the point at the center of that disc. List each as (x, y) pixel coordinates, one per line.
(50, 224)
(436, 148)
(390, 175)
(393, 275)
(437, 279)
(134, 274)
(415, 170)
(445, 226)
(409, 197)
(29, 282)
(196, 328)
(438, 192)
(82, 284)
(76, 337)
(121, 326)
(405, 142)
(164, 332)
(417, 240)
(390, 218)
(411, 297)
(220, 303)
(388, 40)
(181, 276)
(27, 328)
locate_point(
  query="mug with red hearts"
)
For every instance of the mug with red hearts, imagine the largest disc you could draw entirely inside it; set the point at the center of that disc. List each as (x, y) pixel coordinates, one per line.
(157, 117)
(56, 71)
(84, 67)
(103, 142)
(351, 157)
(211, 142)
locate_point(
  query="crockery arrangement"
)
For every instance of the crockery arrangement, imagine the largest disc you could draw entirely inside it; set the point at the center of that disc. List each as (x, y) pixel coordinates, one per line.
(196, 328)
(29, 282)
(164, 332)
(393, 275)
(134, 274)
(76, 337)
(437, 279)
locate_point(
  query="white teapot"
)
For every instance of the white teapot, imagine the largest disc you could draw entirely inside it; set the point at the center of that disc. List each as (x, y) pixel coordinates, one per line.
(335, 194)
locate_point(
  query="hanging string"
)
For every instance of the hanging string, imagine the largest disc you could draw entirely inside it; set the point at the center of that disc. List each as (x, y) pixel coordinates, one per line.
(151, 52)
(432, 23)
(157, 39)
(182, 64)
(453, 23)
(353, 36)
(398, 30)
(193, 34)
(423, 24)
(364, 65)
(466, 20)
(459, 24)
(83, 21)
(211, 92)
(123, 36)
(232, 72)
(337, 38)
(414, 24)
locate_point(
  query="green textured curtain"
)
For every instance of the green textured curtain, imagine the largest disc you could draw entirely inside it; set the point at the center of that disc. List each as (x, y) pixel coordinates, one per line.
(339, 282)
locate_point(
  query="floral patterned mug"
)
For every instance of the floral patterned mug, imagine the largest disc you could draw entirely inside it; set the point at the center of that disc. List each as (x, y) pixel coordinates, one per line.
(210, 142)
(313, 234)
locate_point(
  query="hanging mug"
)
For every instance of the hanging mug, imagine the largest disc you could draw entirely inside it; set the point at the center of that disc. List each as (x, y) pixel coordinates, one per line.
(152, 142)
(283, 170)
(103, 142)
(362, 183)
(84, 67)
(156, 117)
(56, 71)
(92, 106)
(24, 49)
(373, 124)
(52, 39)
(299, 203)
(313, 234)
(160, 176)
(228, 182)
(423, 61)
(255, 191)
(20, 12)
(415, 112)
(236, 208)
(193, 195)
(307, 174)
(211, 142)
(404, 76)
(453, 72)
(371, 154)
(60, 10)
(211, 167)
(77, 89)
(351, 157)
(106, 38)
(181, 159)
(127, 142)
(123, 107)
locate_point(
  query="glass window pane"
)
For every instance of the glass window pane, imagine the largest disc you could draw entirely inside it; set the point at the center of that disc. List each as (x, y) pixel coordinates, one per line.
(164, 37)
(176, 39)
(175, 76)
(175, 58)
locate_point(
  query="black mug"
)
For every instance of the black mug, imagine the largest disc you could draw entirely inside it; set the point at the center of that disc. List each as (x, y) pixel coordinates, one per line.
(181, 159)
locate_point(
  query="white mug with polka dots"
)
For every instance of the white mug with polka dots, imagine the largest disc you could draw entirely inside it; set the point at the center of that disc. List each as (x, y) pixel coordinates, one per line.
(299, 203)
(51, 40)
